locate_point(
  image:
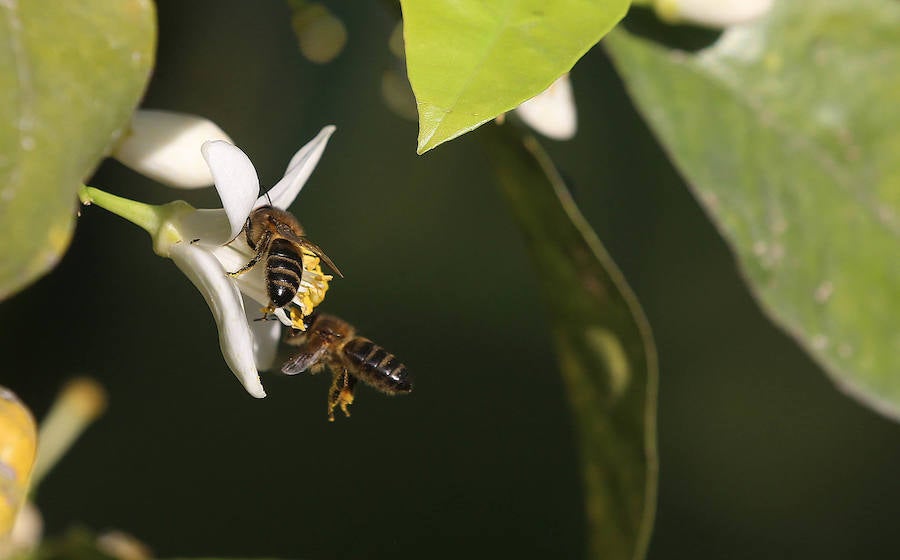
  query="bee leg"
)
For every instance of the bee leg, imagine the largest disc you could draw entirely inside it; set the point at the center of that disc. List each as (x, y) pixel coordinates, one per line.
(261, 249)
(341, 393)
(298, 320)
(267, 311)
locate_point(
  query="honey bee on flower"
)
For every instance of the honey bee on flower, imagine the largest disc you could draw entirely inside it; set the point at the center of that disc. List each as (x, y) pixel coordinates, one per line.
(207, 244)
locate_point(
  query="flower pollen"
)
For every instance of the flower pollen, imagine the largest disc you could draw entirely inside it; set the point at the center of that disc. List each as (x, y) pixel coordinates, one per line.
(312, 289)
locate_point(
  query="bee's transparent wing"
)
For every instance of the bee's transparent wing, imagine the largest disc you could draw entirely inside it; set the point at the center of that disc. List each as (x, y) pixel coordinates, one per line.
(311, 247)
(308, 356)
(317, 251)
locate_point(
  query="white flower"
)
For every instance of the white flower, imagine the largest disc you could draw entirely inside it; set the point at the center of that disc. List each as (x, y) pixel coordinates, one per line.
(552, 113)
(712, 13)
(205, 244)
(165, 146)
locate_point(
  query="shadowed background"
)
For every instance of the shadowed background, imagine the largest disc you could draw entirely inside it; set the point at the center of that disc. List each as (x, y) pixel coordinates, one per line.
(760, 456)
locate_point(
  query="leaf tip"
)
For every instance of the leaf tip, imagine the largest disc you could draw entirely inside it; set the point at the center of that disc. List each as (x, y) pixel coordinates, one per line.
(426, 133)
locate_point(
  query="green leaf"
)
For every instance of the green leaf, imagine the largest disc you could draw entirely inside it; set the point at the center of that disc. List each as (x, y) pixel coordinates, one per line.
(604, 344)
(788, 131)
(71, 74)
(470, 60)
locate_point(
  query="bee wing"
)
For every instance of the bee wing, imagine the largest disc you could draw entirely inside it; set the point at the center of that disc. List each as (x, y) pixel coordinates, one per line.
(308, 357)
(312, 248)
(317, 251)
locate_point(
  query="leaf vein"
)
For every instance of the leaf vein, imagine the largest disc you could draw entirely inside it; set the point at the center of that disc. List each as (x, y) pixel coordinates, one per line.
(26, 95)
(816, 152)
(476, 68)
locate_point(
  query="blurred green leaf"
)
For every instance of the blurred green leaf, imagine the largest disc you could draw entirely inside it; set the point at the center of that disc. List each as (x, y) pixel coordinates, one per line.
(321, 35)
(469, 60)
(788, 131)
(70, 75)
(604, 345)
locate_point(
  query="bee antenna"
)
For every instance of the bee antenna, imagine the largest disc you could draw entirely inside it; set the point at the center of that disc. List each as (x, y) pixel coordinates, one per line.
(269, 198)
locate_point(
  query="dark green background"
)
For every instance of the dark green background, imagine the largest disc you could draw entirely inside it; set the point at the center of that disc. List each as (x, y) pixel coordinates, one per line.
(760, 456)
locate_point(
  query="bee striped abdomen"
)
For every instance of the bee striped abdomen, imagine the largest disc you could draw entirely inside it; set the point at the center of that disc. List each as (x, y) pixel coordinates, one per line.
(284, 269)
(377, 367)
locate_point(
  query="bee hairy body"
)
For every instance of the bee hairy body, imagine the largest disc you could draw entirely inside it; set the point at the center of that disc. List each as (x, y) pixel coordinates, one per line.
(284, 270)
(332, 342)
(268, 220)
(277, 237)
(376, 366)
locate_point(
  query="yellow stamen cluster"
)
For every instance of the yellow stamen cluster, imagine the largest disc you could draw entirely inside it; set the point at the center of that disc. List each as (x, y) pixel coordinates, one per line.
(312, 290)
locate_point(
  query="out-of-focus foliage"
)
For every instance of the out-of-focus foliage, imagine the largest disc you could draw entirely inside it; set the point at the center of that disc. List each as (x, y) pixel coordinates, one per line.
(321, 35)
(788, 130)
(71, 73)
(77, 544)
(469, 61)
(395, 89)
(603, 343)
(80, 402)
(81, 544)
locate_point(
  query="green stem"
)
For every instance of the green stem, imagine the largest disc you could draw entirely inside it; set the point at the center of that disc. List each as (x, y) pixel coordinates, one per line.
(79, 403)
(147, 216)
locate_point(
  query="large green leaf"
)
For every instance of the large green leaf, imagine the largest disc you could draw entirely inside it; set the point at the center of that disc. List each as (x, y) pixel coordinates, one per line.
(471, 60)
(604, 345)
(788, 131)
(70, 75)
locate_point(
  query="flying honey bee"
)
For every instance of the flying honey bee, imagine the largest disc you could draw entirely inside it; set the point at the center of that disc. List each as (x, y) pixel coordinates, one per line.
(332, 342)
(277, 236)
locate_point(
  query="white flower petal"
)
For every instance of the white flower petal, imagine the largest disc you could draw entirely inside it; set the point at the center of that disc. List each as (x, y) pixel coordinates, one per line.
(283, 317)
(224, 300)
(552, 113)
(299, 169)
(236, 181)
(253, 282)
(266, 335)
(165, 146)
(209, 227)
(712, 13)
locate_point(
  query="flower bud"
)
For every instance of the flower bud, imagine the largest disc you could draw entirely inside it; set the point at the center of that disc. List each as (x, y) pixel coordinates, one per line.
(25, 535)
(79, 403)
(552, 113)
(712, 13)
(18, 443)
(165, 146)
